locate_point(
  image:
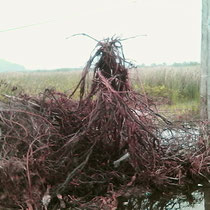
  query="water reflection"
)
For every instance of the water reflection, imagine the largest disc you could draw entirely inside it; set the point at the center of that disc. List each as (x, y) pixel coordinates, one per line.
(180, 141)
(197, 200)
(207, 198)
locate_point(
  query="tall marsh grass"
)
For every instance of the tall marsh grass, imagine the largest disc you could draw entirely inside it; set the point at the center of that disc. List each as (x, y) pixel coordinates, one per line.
(34, 83)
(178, 84)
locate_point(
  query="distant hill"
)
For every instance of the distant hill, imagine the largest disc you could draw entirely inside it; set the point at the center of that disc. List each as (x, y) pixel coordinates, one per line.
(6, 66)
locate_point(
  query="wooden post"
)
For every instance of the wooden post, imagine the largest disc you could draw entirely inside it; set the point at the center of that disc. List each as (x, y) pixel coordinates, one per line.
(205, 62)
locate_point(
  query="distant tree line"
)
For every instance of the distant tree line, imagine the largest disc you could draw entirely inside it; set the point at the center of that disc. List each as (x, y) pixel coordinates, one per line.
(176, 64)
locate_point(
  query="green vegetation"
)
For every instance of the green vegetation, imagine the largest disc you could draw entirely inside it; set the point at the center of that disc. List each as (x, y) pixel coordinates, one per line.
(177, 84)
(36, 82)
(175, 88)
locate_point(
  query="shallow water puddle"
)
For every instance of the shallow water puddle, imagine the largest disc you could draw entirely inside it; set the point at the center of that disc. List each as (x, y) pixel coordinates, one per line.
(192, 201)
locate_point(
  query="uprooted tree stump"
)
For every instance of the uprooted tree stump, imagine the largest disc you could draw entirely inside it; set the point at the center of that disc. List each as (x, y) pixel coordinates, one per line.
(57, 151)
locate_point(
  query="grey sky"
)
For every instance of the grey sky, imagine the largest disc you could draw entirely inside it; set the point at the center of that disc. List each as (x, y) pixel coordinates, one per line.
(172, 28)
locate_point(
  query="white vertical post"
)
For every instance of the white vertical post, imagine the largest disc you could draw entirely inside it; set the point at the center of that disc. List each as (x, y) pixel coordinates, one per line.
(205, 77)
(205, 62)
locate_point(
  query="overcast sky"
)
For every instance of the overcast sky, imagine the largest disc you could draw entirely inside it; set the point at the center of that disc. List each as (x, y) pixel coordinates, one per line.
(33, 32)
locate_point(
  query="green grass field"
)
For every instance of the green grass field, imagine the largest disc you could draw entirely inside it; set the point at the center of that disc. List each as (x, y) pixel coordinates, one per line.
(177, 88)
(34, 83)
(178, 84)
